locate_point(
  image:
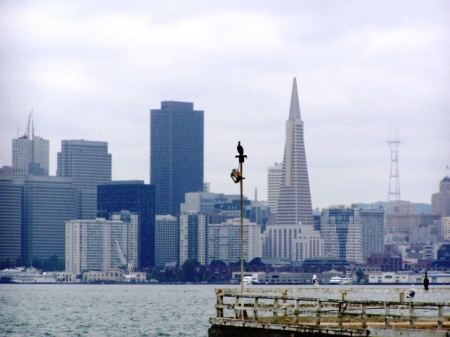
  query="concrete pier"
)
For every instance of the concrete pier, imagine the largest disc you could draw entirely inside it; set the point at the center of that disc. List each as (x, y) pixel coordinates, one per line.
(275, 312)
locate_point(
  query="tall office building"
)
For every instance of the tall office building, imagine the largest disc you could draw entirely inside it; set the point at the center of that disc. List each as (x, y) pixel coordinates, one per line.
(440, 202)
(372, 222)
(224, 241)
(273, 185)
(167, 240)
(341, 230)
(193, 237)
(91, 244)
(10, 219)
(293, 242)
(30, 155)
(88, 163)
(47, 203)
(294, 202)
(176, 154)
(134, 196)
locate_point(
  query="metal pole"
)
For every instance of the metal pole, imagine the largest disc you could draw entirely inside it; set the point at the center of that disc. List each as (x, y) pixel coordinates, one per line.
(242, 231)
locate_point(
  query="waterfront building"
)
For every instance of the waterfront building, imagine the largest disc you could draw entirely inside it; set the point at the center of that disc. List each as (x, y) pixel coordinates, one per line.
(193, 237)
(47, 203)
(176, 154)
(224, 241)
(273, 185)
(440, 202)
(372, 223)
(167, 234)
(341, 230)
(113, 275)
(88, 164)
(137, 197)
(10, 219)
(91, 243)
(293, 242)
(294, 201)
(30, 155)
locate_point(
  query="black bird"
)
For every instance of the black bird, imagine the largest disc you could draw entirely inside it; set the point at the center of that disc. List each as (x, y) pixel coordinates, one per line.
(426, 281)
(411, 293)
(240, 148)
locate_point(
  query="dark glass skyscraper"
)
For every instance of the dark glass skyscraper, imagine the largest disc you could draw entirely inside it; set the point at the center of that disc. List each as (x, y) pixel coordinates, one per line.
(47, 203)
(137, 197)
(176, 155)
(10, 219)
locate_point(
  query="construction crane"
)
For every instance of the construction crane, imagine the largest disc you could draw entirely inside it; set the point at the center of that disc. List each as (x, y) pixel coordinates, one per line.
(28, 134)
(126, 266)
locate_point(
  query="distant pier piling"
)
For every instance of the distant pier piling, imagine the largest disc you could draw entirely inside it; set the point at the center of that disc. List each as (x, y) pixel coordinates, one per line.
(270, 312)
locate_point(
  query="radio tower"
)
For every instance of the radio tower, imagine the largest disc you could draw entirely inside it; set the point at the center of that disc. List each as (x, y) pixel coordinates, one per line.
(394, 178)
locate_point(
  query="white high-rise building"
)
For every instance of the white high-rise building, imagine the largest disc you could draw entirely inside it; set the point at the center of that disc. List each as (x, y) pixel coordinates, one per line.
(294, 201)
(167, 240)
(224, 241)
(273, 185)
(292, 242)
(30, 155)
(90, 244)
(193, 237)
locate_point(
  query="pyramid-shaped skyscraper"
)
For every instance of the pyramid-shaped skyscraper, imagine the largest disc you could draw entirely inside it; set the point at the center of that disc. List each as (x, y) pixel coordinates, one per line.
(294, 201)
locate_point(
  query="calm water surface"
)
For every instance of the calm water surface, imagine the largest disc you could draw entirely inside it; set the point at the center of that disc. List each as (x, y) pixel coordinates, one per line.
(135, 310)
(106, 310)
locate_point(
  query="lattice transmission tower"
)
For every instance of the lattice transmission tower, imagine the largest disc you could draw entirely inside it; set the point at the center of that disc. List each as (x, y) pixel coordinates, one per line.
(394, 177)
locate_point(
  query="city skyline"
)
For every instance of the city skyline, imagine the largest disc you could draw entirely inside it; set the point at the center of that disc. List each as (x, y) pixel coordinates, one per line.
(362, 70)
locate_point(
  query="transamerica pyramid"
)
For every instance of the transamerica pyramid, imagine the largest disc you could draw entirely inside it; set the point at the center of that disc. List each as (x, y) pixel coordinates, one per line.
(294, 201)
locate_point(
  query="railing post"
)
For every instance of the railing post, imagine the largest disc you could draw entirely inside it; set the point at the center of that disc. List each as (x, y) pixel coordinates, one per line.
(284, 294)
(387, 320)
(412, 319)
(440, 317)
(401, 297)
(236, 307)
(219, 302)
(275, 309)
(255, 309)
(296, 310)
(363, 316)
(340, 314)
(344, 295)
(318, 312)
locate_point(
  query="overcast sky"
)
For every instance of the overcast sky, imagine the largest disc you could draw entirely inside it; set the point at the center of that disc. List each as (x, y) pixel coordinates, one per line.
(93, 70)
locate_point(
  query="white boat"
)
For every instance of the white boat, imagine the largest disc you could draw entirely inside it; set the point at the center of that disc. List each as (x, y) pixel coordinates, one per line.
(247, 280)
(22, 275)
(339, 280)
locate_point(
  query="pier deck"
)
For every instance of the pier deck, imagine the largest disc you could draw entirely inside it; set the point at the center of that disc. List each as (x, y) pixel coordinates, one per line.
(278, 312)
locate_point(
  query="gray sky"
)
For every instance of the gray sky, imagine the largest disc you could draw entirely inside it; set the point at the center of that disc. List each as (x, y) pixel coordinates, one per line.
(92, 70)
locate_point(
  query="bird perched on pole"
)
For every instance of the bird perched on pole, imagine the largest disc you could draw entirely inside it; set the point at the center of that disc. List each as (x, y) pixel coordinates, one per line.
(240, 148)
(426, 281)
(241, 155)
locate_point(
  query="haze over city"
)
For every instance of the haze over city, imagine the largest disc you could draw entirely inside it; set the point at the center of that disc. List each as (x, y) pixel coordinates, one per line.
(93, 71)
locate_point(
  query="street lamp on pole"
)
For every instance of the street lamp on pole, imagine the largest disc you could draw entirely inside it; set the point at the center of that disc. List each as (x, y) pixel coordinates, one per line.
(238, 176)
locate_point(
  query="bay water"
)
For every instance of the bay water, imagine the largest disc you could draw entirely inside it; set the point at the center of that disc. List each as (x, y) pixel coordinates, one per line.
(29, 310)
